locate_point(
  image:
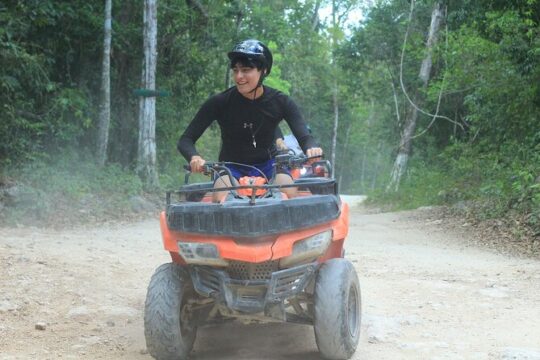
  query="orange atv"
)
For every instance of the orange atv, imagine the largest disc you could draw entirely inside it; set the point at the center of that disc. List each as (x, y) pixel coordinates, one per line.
(256, 256)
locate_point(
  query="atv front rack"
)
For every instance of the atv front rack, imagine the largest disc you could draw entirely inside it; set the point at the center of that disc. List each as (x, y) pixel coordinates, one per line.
(252, 216)
(195, 192)
(240, 219)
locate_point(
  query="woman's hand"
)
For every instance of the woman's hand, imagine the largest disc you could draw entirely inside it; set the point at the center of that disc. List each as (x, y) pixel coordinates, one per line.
(314, 152)
(197, 164)
(280, 145)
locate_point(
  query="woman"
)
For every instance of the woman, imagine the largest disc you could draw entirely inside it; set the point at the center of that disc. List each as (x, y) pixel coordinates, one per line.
(248, 115)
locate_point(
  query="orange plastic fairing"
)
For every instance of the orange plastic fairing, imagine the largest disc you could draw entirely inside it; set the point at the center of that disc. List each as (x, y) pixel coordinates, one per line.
(267, 248)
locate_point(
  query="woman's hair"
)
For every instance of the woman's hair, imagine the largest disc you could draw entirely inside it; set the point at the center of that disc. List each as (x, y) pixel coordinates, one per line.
(247, 62)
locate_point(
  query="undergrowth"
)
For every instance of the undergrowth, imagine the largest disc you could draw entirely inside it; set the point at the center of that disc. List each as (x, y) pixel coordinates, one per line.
(69, 190)
(482, 186)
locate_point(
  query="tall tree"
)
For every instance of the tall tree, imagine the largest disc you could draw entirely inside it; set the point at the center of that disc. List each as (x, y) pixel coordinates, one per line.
(146, 165)
(405, 145)
(335, 101)
(105, 105)
(340, 11)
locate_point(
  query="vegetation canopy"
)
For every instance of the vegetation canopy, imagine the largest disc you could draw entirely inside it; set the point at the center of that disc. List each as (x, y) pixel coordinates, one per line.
(459, 101)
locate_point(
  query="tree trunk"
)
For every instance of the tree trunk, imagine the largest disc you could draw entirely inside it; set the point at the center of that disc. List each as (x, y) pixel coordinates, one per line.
(335, 90)
(405, 145)
(345, 153)
(124, 136)
(239, 18)
(377, 164)
(365, 147)
(105, 106)
(146, 164)
(335, 128)
(315, 21)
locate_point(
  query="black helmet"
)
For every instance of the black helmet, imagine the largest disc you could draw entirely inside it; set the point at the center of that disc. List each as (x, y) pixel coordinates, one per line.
(253, 50)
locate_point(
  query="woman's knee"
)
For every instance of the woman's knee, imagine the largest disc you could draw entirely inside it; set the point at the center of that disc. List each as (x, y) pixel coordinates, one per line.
(221, 182)
(284, 179)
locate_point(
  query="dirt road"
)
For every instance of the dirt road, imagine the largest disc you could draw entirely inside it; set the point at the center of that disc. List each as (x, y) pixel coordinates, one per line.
(427, 294)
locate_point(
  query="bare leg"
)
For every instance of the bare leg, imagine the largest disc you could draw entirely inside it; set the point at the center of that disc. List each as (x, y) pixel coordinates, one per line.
(221, 182)
(284, 179)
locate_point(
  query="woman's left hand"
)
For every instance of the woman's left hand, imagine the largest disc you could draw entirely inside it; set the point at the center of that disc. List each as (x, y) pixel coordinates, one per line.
(314, 152)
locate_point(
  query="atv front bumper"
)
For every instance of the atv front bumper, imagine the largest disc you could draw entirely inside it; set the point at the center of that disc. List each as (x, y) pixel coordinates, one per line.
(251, 296)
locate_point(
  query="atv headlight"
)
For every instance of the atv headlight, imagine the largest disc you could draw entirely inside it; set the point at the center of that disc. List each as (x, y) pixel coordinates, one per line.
(200, 253)
(308, 249)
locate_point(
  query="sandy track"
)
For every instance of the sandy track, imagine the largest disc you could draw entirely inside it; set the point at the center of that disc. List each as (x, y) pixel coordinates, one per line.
(427, 294)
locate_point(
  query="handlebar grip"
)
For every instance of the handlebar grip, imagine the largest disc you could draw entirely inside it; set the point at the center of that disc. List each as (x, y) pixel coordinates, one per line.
(207, 168)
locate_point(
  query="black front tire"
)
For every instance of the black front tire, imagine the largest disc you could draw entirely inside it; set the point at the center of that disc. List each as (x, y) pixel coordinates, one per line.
(167, 328)
(337, 309)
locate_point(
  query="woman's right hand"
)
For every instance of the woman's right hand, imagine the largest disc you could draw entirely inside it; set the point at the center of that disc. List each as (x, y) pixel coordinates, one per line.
(197, 164)
(280, 145)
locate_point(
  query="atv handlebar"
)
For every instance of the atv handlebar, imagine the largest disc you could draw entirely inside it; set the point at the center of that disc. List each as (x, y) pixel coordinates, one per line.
(294, 160)
(280, 160)
(316, 179)
(209, 167)
(287, 160)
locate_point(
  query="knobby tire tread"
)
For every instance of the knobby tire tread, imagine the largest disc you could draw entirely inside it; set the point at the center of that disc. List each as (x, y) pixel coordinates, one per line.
(331, 300)
(164, 338)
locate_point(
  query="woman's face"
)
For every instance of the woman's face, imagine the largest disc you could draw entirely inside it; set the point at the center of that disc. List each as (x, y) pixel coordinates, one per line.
(246, 79)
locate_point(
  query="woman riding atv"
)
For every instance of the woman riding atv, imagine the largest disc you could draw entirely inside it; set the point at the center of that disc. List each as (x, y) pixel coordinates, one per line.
(257, 256)
(248, 115)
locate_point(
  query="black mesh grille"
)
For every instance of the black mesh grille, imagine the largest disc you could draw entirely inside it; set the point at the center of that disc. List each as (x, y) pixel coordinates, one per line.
(290, 282)
(247, 271)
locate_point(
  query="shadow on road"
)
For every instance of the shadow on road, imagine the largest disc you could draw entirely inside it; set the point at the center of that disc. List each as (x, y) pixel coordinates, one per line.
(256, 342)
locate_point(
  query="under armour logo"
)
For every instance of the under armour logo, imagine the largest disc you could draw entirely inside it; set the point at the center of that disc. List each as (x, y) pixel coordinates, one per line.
(246, 125)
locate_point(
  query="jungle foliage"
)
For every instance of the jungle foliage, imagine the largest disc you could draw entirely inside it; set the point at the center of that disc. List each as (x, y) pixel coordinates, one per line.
(484, 83)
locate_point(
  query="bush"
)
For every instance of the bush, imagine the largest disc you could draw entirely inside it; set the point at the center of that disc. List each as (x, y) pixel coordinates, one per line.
(68, 190)
(499, 184)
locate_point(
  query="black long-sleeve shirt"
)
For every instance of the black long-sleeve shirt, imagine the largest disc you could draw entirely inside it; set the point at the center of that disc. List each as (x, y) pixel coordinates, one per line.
(247, 126)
